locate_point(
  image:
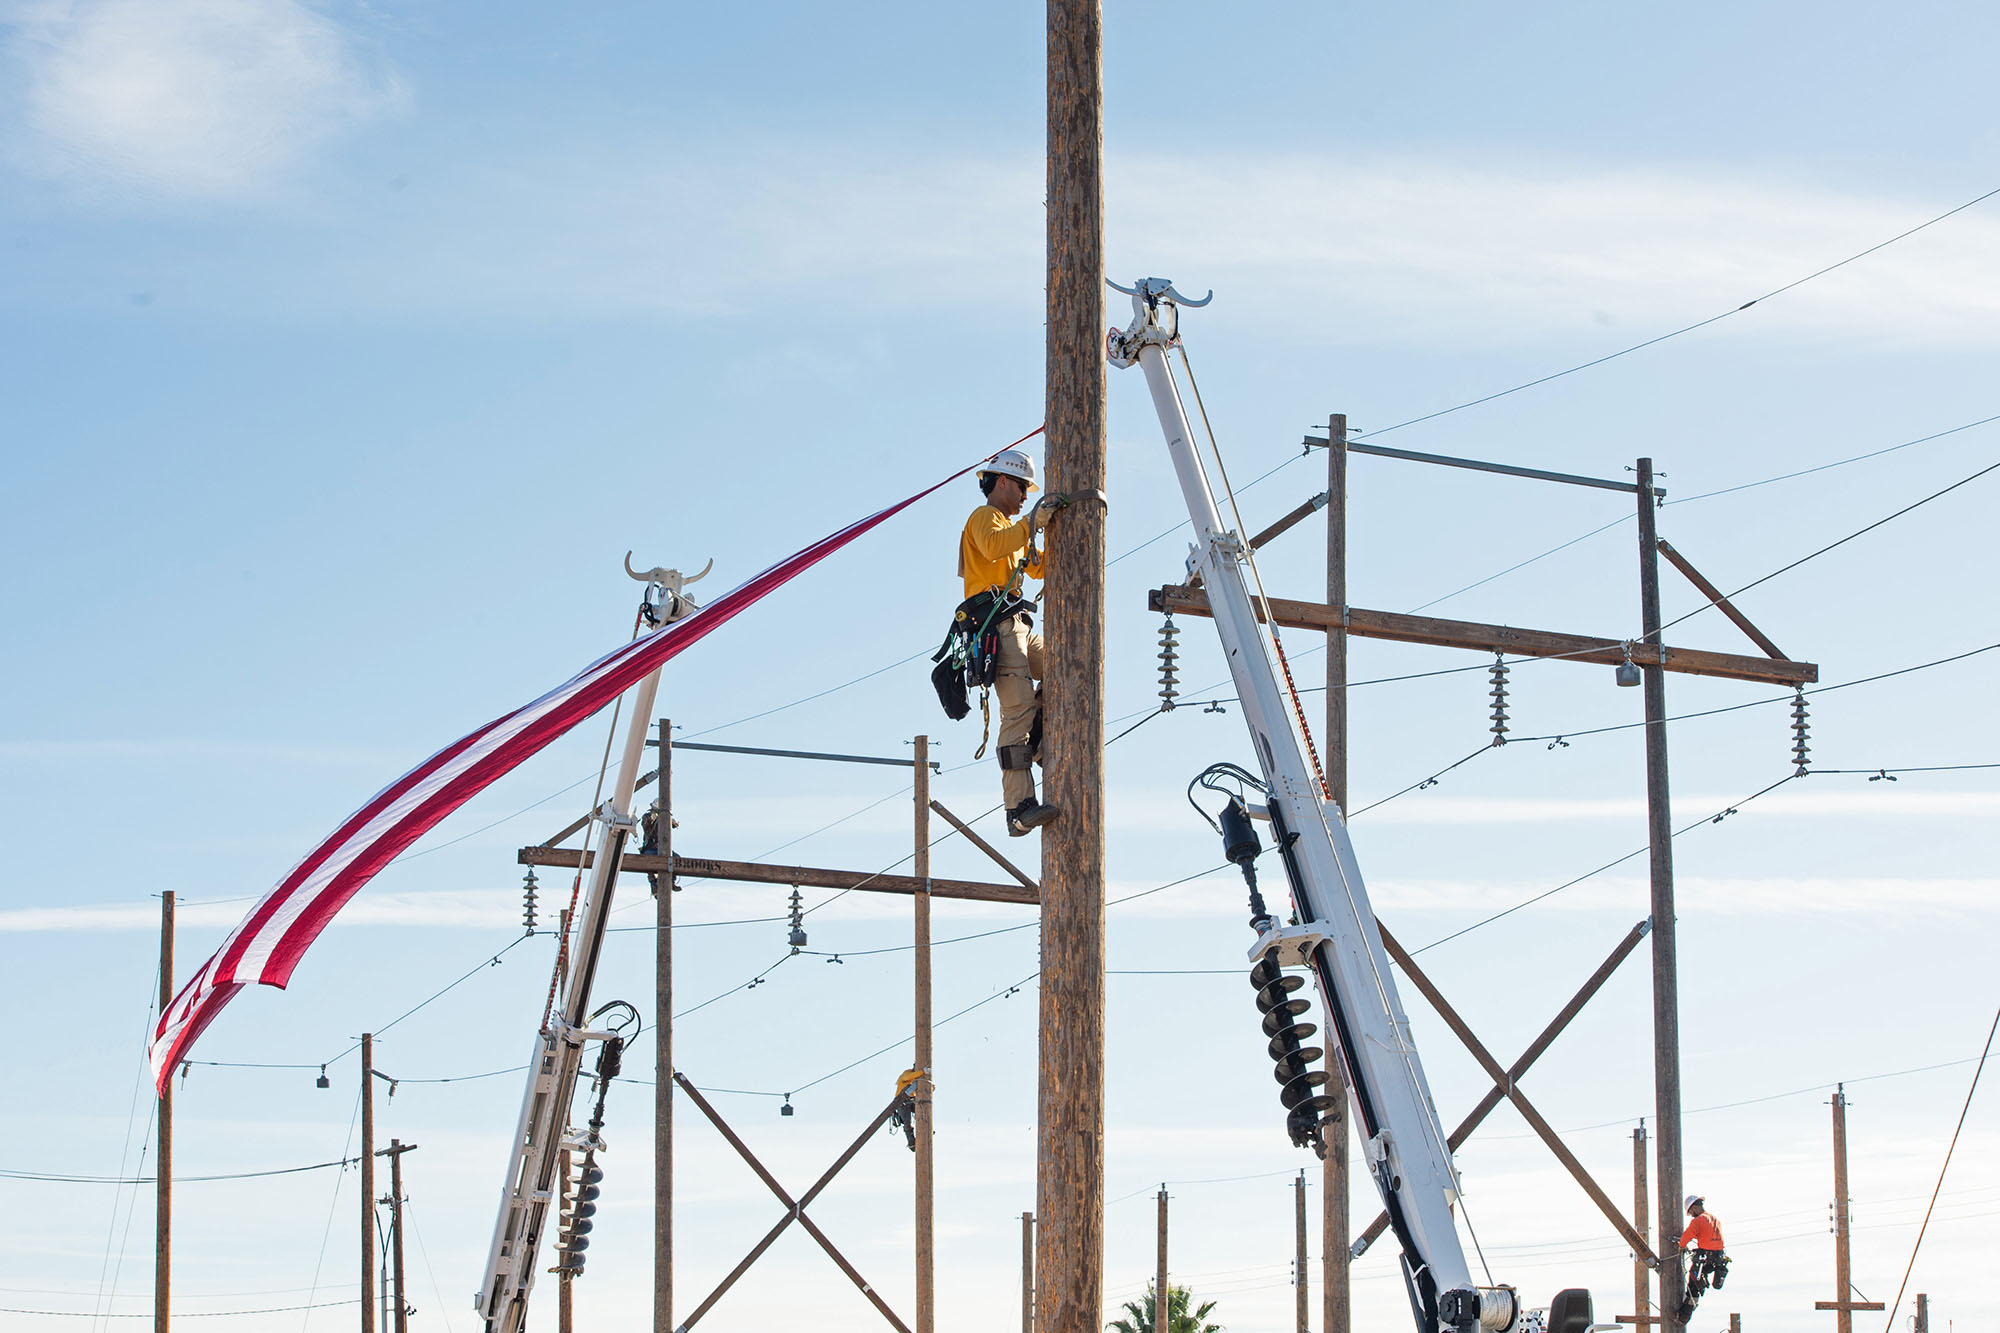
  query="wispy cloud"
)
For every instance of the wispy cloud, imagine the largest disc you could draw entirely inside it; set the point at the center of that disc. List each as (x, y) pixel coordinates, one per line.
(187, 97)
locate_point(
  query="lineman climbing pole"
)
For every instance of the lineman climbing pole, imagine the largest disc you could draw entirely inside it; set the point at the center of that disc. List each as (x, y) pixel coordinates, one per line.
(1069, 1265)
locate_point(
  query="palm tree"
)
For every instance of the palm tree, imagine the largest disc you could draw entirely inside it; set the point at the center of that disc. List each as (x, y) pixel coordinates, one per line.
(1139, 1314)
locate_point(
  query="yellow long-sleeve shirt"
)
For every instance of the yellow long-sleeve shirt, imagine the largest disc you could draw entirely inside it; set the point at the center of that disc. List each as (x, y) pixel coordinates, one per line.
(989, 548)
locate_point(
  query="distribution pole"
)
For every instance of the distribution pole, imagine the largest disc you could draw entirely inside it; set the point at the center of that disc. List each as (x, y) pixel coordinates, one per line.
(1162, 1306)
(163, 1187)
(396, 1151)
(663, 1047)
(1334, 1239)
(1923, 1321)
(1666, 983)
(367, 1182)
(1070, 1165)
(1301, 1297)
(921, 1090)
(1641, 1218)
(1027, 1273)
(1843, 1273)
(565, 1301)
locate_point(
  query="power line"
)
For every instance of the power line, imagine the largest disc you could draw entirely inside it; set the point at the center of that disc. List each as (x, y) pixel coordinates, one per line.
(1826, 467)
(1690, 328)
(62, 1178)
(1963, 481)
(1715, 818)
(1956, 1131)
(178, 1314)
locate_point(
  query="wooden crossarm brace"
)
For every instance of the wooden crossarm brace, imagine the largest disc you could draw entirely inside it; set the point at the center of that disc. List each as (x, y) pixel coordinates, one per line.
(756, 872)
(984, 846)
(795, 1208)
(1849, 1305)
(1496, 1094)
(1528, 1113)
(1403, 628)
(1720, 602)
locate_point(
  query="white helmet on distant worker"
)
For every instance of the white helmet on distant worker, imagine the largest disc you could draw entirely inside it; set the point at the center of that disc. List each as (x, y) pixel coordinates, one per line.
(1692, 1200)
(1011, 463)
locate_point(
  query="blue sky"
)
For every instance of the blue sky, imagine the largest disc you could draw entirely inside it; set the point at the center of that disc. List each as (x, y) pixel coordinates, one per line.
(346, 349)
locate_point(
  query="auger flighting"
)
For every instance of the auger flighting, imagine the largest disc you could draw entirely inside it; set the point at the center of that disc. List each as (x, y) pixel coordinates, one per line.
(1336, 937)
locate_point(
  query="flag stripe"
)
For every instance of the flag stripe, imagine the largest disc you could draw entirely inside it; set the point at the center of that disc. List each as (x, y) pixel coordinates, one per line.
(269, 942)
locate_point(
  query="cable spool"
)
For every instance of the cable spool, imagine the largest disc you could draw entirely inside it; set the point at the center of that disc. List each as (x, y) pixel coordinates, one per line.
(1800, 730)
(1170, 634)
(1291, 1058)
(1498, 672)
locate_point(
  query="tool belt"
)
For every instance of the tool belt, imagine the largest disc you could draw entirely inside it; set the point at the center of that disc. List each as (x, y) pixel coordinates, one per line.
(969, 657)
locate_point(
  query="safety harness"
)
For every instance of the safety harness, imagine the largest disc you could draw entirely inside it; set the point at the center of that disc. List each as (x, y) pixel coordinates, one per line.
(969, 657)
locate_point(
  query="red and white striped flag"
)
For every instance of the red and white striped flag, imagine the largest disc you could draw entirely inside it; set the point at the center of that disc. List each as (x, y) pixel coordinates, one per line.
(268, 943)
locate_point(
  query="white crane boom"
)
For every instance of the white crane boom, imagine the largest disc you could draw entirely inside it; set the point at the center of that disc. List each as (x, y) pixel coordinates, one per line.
(1404, 1144)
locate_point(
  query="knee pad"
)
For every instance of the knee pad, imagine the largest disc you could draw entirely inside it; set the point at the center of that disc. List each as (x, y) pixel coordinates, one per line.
(1016, 758)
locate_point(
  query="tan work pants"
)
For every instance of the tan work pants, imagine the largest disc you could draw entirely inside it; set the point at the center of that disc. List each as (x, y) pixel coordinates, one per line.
(1020, 666)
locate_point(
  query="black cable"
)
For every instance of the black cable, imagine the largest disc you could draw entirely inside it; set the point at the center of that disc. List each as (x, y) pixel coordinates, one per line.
(178, 1314)
(1716, 818)
(1859, 532)
(1699, 324)
(1962, 1111)
(1825, 467)
(63, 1178)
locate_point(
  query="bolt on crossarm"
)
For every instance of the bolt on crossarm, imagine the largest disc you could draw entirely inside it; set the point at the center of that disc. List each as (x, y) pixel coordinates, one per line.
(1337, 938)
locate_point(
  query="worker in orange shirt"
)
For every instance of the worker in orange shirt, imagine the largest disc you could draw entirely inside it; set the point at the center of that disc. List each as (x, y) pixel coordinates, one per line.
(1708, 1265)
(995, 551)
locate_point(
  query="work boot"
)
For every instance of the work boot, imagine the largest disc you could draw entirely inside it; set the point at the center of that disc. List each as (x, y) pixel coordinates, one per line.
(1028, 815)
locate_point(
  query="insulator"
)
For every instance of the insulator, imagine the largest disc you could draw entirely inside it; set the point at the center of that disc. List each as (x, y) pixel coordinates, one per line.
(797, 936)
(1169, 662)
(1499, 674)
(1800, 730)
(528, 900)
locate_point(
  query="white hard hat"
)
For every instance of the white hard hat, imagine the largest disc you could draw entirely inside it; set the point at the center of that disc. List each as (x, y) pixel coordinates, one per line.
(1692, 1200)
(1012, 463)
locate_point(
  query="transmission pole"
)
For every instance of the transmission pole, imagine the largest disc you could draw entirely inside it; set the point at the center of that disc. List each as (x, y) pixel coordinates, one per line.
(1070, 1166)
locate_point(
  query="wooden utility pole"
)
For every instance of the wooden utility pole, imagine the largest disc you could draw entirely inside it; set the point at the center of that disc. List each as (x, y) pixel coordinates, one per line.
(1843, 1304)
(1162, 1306)
(1027, 1273)
(663, 1047)
(1070, 1166)
(395, 1155)
(163, 1186)
(367, 1182)
(1843, 1272)
(1335, 1256)
(1301, 1298)
(565, 1303)
(1922, 1323)
(920, 1091)
(1642, 1209)
(1666, 983)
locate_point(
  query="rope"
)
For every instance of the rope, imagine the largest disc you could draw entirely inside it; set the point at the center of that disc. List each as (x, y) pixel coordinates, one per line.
(1250, 559)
